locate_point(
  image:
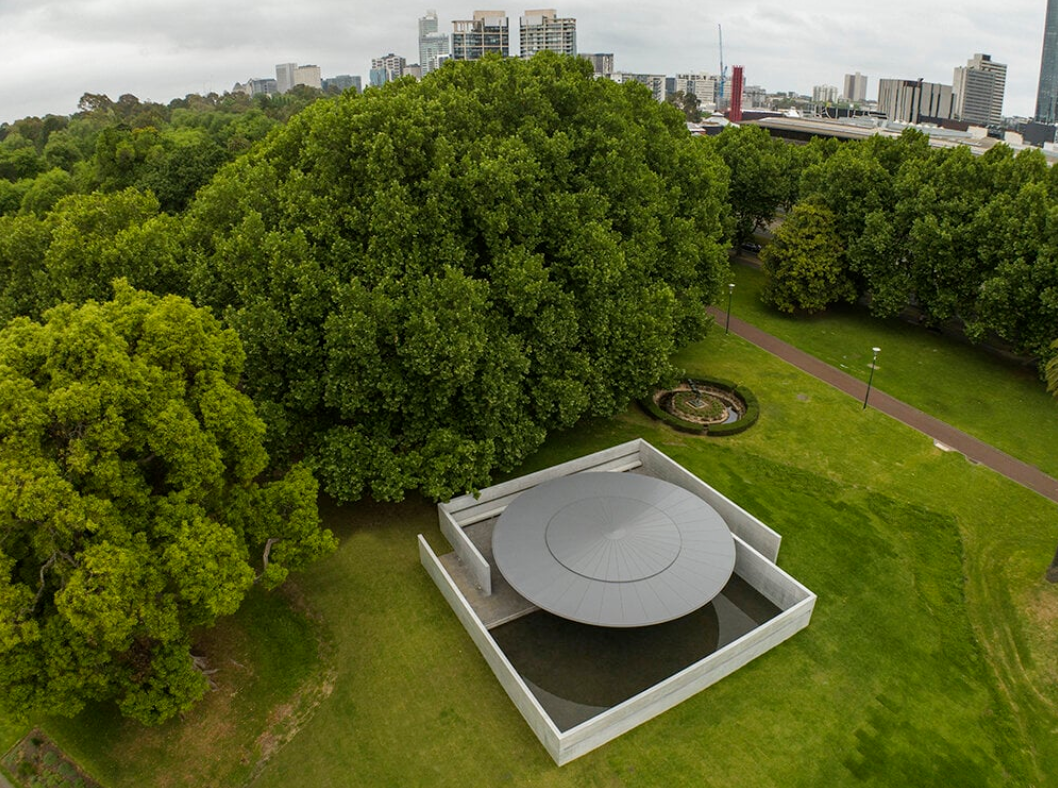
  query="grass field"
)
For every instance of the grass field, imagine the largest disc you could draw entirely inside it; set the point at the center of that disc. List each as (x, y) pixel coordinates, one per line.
(1002, 402)
(929, 661)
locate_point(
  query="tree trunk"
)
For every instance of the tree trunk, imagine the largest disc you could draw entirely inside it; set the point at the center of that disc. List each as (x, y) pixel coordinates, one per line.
(1052, 570)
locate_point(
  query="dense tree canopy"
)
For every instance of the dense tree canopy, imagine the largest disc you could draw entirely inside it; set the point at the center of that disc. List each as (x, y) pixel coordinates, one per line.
(803, 262)
(73, 252)
(130, 514)
(170, 150)
(431, 276)
(764, 175)
(957, 236)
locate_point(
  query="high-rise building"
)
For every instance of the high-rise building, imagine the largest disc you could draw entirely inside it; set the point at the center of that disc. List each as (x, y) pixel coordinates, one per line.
(702, 86)
(343, 82)
(543, 30)
(386, 69)
(915, 101)
(978, 89)
(285, 76)
(262, 87)
(855, 87)
(433, 45)
(485, 34)
(738, 81)
(655, 82)
(308, 75)
(290, 74)
(822, 94)
(602, 62)
(1047, 94)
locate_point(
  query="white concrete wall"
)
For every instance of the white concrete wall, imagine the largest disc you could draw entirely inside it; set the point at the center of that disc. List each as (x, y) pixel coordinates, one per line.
(692, 680)
(467, 551)
(742, 523)
(468, 509)
(512, 684)
(756, 547)
(778, 587)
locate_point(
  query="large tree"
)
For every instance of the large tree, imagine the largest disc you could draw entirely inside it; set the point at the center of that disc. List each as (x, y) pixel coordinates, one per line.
(130, 511)
(764, 177)
(805, 263)
(432, 275)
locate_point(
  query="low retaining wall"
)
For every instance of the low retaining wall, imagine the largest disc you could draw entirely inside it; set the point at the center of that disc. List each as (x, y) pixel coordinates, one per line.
(467, 551)
(702, 674)
(469, 509)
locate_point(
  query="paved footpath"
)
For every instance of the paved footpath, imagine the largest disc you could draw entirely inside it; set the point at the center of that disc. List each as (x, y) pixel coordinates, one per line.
(971, 447)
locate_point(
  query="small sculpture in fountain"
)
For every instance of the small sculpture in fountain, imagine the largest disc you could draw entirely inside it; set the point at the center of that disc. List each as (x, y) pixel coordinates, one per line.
(697, 402)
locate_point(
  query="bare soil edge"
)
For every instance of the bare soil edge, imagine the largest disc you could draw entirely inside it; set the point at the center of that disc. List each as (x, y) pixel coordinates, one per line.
(287, 719)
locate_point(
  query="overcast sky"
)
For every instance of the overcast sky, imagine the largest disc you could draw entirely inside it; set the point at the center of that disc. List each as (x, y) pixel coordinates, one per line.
(52, 52)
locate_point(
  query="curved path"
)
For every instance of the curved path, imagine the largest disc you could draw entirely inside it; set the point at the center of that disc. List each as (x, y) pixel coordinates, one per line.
(974, 449)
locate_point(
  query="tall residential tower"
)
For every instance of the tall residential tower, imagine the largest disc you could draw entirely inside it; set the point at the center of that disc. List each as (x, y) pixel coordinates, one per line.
(978, 89)
(543, 30)
(1047, 95)
(433, 45)
(855, 88)
(485, 34)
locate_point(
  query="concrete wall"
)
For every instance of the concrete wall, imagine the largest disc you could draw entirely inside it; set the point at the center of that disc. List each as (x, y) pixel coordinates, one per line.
(756, 545)
(466, 550)
(468, 509)
(695, 678)
(742, 523)
(516, 690)
(778, 587)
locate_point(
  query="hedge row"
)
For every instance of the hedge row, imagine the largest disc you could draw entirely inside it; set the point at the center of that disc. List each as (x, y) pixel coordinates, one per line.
(653, 409)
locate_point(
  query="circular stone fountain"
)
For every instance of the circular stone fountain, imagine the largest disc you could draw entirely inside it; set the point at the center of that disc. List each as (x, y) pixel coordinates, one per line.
(704, 406)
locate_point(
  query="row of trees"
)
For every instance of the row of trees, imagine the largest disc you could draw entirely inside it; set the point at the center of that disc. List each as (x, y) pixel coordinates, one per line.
(950, 233)
(170, 150)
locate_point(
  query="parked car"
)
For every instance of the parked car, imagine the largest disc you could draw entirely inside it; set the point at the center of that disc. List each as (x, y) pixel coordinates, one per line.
(749, 246)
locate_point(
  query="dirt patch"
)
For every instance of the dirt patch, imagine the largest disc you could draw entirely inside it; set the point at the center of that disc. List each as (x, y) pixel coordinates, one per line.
(287, 719)
(229, 736)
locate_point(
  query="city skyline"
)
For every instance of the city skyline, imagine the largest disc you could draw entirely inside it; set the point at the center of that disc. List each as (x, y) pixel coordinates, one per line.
(160, 51)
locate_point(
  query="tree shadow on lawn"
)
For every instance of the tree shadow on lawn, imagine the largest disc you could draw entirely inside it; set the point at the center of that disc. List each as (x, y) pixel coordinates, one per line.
(274, 665)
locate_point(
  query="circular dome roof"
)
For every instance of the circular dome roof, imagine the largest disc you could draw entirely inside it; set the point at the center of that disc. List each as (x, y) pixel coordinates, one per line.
(613, 549)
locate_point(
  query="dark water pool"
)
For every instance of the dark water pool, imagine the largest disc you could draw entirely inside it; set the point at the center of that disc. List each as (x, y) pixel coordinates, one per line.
(577, 671)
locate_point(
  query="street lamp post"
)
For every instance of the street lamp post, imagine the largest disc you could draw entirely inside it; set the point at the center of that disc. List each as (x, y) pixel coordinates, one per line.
(870, 379)
(730, 292)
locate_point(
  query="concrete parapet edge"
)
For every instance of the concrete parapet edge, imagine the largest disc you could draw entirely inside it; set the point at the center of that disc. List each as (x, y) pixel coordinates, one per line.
(512, 684)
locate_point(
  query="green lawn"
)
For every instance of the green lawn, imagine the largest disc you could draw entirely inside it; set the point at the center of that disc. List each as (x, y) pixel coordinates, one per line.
(903, 677)
(269, 664)
(1001, 402)
(929, 661)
